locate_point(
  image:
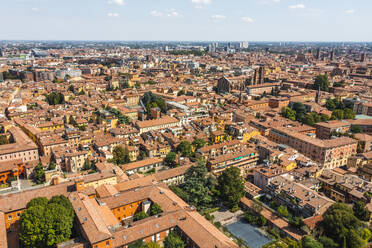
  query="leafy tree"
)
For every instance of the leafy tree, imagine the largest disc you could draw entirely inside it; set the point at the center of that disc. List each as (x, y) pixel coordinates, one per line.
(170, 159)
(340, 224)
(330, 104)
(140, 216)
(231, 186)
(185, 148)
(39, 174)
(155, 209)
(173, 240)
(356, 129)
(197, 189)
(361, 211)
(45, 225)
(282, 211)
(321, 82)
(63, 201)
(328, 242)
(324, 117)
(300, 110)
(54, 98)
(198, 143)
(52, 166)
(289, 113)
(120, 155)
(71, 88)
(153, 245)
(3, 140)
(38, 201)
(138, 244)
(349, 113)
(149, 99)
(310, 242)
(338, 114)
(87, 165)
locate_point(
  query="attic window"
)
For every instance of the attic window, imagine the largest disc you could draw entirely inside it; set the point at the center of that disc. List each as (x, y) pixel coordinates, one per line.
(141, 231)
(85, 219)
(156, 225)
(124, 237)
(79, 208)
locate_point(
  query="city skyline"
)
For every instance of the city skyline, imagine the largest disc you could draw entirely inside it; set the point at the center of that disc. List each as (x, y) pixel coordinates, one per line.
(187, 20)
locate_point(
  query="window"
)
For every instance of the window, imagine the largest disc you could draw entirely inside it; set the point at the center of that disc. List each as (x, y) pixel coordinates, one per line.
(157, 236)
(107, 243)
(9, 217)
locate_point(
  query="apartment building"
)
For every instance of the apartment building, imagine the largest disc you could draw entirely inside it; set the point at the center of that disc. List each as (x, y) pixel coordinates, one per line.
(330, 153)
(324, 130)
(162, 123)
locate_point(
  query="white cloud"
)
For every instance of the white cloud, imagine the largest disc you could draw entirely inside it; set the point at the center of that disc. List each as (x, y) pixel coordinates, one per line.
(113, 14)
(167, 13)
(297, 6)
(201, 2)
(218, 18)
(172, 13)
(156, 13)
(350, 11)
(35, 9)
(247, 19)
(117, 2)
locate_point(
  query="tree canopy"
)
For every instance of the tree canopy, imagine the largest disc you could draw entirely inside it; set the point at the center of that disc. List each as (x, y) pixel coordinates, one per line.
(45, 224)
(120, 155)
(231, 186)
(173, 240)
(185, 148)
(170, 159)
(340, 224)
(54, 98)
(39, 174)
(321, 82)
(150, 101)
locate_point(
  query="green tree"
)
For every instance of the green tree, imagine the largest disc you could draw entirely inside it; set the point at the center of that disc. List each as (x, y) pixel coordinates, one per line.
(310, 242)
(338, 223)
(45, 225)
(185, 148)
(39, 174)
(330, 104)
(197, 188)
(321, 82)
(349, 113)
(138, 244)
(289, 113)
(3, 140)
(153, 245)
(155, 209)
(337, 114)
(180, 93)
(356, 129)
(52, 166)
(87, 165)
(198, 143)
(231, 186)
(63, 201)
(324, 117)
(120, 155)
(282, 211)
(38, 201)
(170, 159)
(300, 110)
(361, 211)
(328, 242)
(140, 216)
(173, 240)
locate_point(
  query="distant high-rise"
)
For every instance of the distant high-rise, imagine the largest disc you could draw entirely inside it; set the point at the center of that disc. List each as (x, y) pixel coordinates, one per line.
(363, 57)
(244, 44)
(332, 54)
(1, 52)
(317, 56)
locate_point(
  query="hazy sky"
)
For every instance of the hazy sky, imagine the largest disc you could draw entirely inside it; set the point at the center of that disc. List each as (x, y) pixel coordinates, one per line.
(252, 20)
